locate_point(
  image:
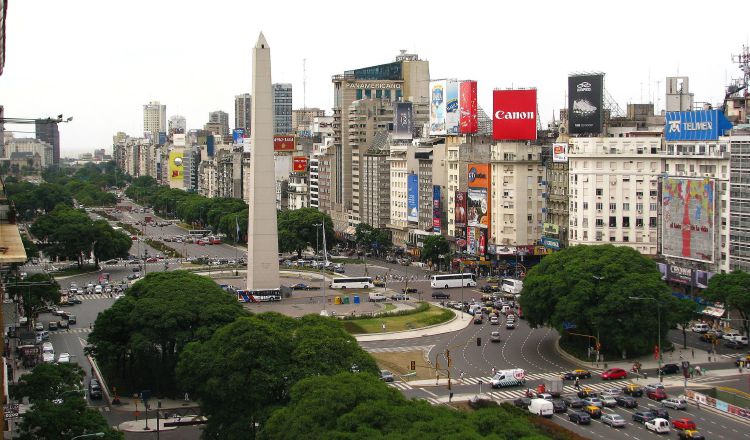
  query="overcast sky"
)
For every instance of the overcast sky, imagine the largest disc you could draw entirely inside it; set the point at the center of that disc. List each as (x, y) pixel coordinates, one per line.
(100, 61)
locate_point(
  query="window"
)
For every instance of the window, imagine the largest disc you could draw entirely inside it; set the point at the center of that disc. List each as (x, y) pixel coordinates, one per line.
(611, 238)
(598, 235)
(652, 193)
(626, 206)
(626, 222)
(638, 222)
(528, 218)
(625, 238)
(639, 193)
(639, 207)
(599, 223)
(612, 222)
(599, 191)
(585, 205)
(599, 206)
(613, 206)
(652, 206)
(652, 222)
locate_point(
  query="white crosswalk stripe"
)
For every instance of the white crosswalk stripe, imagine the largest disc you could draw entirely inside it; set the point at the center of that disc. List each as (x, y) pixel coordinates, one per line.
(529, 376)
(400, 349)
(567, 389)
(400, 385)
(72, 330)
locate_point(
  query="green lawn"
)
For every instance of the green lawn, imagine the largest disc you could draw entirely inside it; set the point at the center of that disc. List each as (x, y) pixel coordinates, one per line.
(433, 315)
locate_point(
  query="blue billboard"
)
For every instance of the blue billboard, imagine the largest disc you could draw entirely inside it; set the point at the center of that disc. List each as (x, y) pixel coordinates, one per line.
(551, 243)
(412, 198)
(210, 145)
(162, 138)
(237, 135)
(700, 125)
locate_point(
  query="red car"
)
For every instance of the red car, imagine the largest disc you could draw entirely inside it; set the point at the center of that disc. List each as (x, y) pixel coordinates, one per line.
(657, 394)
(683, 424)
(614, 373)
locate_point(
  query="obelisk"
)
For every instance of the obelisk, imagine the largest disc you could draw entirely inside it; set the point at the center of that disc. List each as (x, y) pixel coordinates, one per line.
(262, 234)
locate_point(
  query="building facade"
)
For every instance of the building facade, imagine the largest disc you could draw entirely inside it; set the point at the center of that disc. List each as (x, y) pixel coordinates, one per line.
(282, 108)
(47, 131)
(154, 118)
(739, 215)
(177, 124)
(242, 112)
(220, 118)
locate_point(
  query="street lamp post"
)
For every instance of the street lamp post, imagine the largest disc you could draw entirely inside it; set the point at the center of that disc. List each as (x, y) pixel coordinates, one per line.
(461, 271)
(658, 323)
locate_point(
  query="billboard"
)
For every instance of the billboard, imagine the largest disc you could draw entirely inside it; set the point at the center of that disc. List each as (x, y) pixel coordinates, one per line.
(550, 229)
(412, 198)
(559, 152)
(283, 143)
(688, 218)
(477, 201)
(437, 107)
(551, 243)
(701, 125)
(175, 166)
(162, 138)
(467, 105)
(178, 139)
(476, 241)
(460, 212)
(514, 115)
(436, 208)
(585, 102)
(237, 135)
(299, 164)
(452, 113)
(403, 120)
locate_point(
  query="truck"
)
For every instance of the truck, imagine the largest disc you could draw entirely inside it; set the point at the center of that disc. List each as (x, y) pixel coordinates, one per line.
(553, 386)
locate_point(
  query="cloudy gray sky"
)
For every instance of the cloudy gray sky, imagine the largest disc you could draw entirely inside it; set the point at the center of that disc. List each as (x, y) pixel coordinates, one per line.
(100, 61)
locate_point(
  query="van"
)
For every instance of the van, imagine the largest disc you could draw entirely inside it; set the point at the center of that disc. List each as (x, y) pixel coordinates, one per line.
(541, 407)
(376, 296)
(48, 348)
(700, 327)
(658, 425)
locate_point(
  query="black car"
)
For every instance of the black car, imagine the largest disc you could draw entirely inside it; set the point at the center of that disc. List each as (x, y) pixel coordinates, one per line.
(522, 402)
(559, 406)
(95, 389)
(573, 401)
(410, 290)
(579, 417)
(643, 416)
(580, 374)
(626, 401)
(399, 297)
(486, 289)
(440, 295)
(660, 412)
(734, 344)
(74, 300)
(669, 369)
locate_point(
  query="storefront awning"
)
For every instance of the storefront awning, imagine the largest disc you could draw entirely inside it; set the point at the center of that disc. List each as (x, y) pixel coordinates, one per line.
(716, 312)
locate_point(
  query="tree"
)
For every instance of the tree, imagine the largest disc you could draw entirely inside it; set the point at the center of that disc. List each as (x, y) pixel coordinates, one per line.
(48, 382)
(297, 230)
(38, 291)
(587, 290)
(371, 238)
(435, 248)
(32, 250)
(138, 341)
(109, 243)
(681, 312)
(252, 362)
(732, 289)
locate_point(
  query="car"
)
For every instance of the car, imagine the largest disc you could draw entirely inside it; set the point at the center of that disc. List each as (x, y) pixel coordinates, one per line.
(700, 327)
(609, 401)
(42, 336)
(731, 334)
(71, 318)
(614, 373)
(495, 336)
(522, 402)
(478, 319)
(654, 386)
(74, 300)
(674, 403)
(626, 401)
(657, 394)
(137, 269)
(577, 374)
(586, 392)
(52, 326)
(111, 262)
(612, 392)
(593, 401)
(386, 376)
(64, 358)
(63, 323)
(669, 369)
(594, 411)
(399, 297)
(486, 289)
(494, 320)
(510, 325)
(48, 357)
(95, 390)
(573, 401)
(660, 412)
(440, 295)
(378, 283)
(39, 326)
(544, 396)
(683, 424)
(57, 311)
(559, 406)
(690, 435)
(133, 276)
(152, 260)
(613, 420)
(579, 418)
(658, 425)
(735, 344)
(643, 416)
(118, 296)
(711, 336)
(300, 286)
(410, 290)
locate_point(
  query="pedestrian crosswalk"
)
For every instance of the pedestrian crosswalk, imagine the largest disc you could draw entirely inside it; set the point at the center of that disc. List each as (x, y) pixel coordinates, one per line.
(529, 376)
(71, 330)
(90, 296)
(427, 348)
(400, 385)
(597, 387)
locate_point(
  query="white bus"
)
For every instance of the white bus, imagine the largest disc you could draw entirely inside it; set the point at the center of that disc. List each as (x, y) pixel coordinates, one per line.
(510, 285)
(453, 280)
(352, 283)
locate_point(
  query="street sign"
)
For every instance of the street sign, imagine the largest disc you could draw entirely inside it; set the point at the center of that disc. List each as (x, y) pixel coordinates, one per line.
(11, 411)
(567, 325)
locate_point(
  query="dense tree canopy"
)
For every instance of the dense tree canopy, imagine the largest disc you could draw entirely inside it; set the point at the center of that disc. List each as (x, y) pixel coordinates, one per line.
(588, 289)
(681, 312)
(372, 239)
(252, 362)
(38, 291)
(49, 381)
(732, 289)
(138, 340)
(356, 406)
(435, 248)
(297, 230)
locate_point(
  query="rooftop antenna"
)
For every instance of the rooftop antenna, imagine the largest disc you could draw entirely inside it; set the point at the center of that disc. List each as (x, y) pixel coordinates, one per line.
(304, 83)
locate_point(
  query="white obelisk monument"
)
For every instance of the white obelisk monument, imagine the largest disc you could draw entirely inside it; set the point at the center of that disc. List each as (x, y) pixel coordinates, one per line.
(262, 234)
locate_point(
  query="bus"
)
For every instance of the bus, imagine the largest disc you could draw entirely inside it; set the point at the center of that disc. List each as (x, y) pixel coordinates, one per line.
(352, 283)
(199, 232)
(453, 280)
(511, 285)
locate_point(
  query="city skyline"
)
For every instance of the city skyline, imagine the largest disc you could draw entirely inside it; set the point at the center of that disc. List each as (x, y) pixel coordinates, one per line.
(103, 82)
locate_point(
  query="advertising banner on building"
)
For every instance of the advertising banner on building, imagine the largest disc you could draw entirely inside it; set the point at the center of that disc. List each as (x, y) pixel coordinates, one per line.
(514, 115)
(551, 243)
(467, 107)
(477, 203)
(550, 229)
(437, 108)
(412, 198)
(452, 112)
(175, 166)
(459, 219)
(436, 224)
(471, 242)
(162, 138)
(559, 152)
(403, 120)
(299, 164)
(680, 275)
(585, 102)
(178, 139)
(237, 135)
(284, 143)
(701, 125)
(688, 218)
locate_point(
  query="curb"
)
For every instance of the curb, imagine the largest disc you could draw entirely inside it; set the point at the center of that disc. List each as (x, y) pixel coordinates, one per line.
(367, 335)
(98, 375)
(569, 357)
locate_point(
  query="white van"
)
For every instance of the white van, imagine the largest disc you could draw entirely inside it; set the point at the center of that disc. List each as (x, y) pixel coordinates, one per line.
(541, 407)
(48, 352)
(700, 327)
(376, 296)
(658, 425)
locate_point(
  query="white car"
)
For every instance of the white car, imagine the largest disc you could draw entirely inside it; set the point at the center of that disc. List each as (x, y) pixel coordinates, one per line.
(64, 358)
(674, 403)
(658, 425)
(48, 357)
(118, 296)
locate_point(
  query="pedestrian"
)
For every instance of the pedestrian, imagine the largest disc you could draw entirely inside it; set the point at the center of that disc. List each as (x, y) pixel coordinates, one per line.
(461, 376)
(577, 384)
(384, 326)
(493, 371)
(692, 372)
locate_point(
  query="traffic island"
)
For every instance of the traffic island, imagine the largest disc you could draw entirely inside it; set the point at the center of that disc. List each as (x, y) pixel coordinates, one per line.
(425, 315)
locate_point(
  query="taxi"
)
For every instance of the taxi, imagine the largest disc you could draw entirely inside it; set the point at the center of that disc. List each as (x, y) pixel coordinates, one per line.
(580, 374)
(594, 411)
(690, 434)
(586, 392)
(632, 389)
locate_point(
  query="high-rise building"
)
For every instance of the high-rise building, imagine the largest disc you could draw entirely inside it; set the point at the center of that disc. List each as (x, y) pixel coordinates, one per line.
(221, 119)
(154, 118)
(47, 131)
(282, 108)
(302, 119)
(177, 124)
(242, 112)
(739, 223)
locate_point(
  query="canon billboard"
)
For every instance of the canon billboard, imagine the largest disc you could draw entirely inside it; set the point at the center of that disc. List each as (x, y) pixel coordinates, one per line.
(585, 101)
(514, 115)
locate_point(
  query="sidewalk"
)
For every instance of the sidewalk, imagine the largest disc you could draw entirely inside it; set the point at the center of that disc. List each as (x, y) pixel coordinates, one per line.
(457, 323)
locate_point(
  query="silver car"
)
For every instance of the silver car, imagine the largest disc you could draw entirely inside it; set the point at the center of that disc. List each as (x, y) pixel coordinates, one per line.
(674, 403)
(608, 401)
(613, 420)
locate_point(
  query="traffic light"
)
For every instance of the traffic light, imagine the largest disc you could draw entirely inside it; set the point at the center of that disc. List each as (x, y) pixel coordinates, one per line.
(479, 342)
(413, 365)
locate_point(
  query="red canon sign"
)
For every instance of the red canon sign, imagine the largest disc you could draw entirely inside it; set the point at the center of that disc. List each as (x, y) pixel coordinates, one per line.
(514, 115)
(299, 164)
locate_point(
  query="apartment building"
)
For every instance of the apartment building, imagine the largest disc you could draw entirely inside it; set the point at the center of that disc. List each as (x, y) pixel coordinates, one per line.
(739, 196)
